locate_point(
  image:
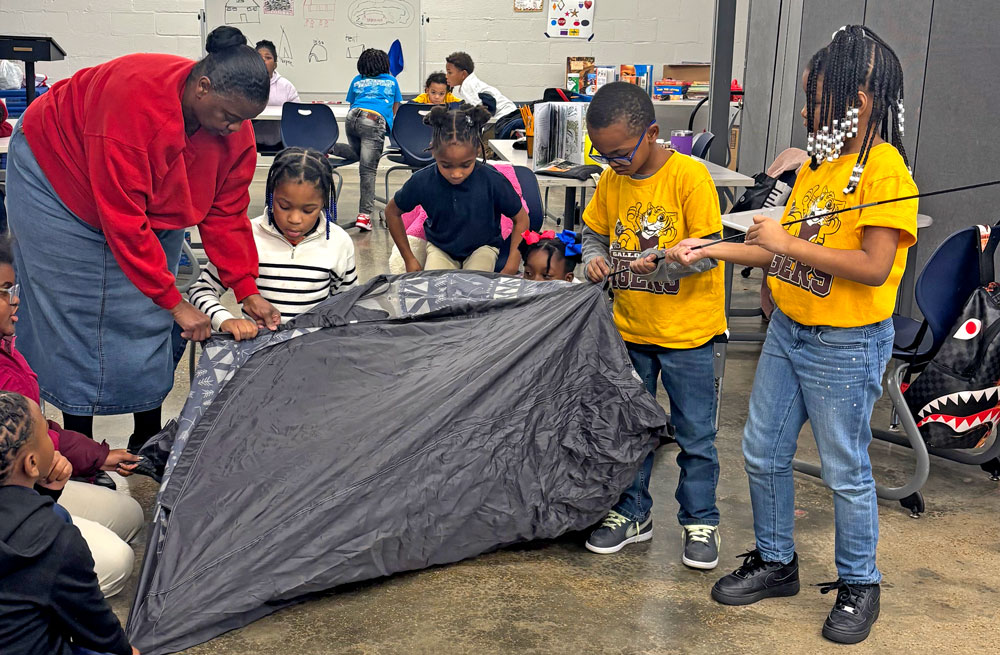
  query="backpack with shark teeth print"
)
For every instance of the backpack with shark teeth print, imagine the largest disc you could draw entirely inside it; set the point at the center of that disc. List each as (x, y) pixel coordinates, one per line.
(956, 399)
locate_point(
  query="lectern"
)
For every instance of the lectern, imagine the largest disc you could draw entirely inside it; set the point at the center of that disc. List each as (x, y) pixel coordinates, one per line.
(30, 49)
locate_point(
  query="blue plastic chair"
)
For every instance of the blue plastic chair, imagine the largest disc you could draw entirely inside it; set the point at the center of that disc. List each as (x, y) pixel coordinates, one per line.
(307, 125)
(536, 215)
(701, 144)
(947, 280)
(410, 140)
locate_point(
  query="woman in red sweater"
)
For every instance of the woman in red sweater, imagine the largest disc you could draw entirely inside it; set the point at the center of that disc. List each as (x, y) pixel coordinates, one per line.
(104, 173)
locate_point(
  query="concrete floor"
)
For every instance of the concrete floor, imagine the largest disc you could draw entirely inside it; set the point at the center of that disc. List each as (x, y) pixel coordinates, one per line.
(940, 592)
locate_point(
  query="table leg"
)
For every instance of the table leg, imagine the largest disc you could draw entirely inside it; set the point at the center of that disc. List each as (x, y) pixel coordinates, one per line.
(569, 212)
(29, 82)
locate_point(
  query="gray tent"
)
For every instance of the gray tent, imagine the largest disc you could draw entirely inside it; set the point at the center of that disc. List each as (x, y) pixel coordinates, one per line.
(415, 421)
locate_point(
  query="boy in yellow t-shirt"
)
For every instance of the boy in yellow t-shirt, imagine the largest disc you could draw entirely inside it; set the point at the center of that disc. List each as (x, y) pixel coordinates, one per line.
(436, 91)
(648, 200)
(834, 283)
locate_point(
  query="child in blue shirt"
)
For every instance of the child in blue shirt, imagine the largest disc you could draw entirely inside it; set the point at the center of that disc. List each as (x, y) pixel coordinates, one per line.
(374, 96)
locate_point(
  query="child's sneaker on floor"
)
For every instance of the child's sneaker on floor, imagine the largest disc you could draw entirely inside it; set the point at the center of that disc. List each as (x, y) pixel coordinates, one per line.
(618, 531)
(853, 614)
(757, 579)
(701, 546)
(364, 222)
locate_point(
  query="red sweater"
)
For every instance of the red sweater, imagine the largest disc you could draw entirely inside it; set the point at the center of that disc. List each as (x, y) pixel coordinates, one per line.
(6, 129)
(111, 142)
(86, 455)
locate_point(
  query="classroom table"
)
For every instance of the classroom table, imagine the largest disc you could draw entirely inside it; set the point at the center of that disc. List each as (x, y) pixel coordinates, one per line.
(4, 144)
(740, 222)
(340, 110)
(723, 177)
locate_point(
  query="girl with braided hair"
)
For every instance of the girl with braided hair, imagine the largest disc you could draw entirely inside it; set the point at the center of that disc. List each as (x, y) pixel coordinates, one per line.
(303, 259)
(834, 283)
(374, 96)
(464, 199)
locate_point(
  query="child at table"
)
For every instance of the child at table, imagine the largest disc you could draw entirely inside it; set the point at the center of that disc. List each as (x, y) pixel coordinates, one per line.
(647, 200)
(436, 91)
(49, 600)
(464, 200)
(374, 96)
(303, 260)
(834, 283)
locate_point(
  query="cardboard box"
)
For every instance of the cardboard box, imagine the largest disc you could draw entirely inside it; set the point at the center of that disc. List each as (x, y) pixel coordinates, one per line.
(688, 72)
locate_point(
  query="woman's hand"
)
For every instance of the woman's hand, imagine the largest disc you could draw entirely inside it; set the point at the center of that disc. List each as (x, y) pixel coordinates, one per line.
(195, 324)
(644, 265)
(135, 651)
(768, 234)
(412, 265)
(597, 269)
(59, 473)
(240, 328)
(263, 311)
(120, 461)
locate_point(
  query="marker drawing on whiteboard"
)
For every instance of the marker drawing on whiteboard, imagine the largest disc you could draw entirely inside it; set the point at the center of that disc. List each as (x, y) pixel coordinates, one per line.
(241, 12)
(318, 52)
(381, 13)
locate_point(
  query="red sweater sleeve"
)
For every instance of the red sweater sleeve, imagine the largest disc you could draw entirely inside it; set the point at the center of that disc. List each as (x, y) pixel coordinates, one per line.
(122, 182)
(226, 232)
(86, 455)
(6, 129)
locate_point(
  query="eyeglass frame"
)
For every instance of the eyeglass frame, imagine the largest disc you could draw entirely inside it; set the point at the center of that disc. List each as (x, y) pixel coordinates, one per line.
(604, 159)
(13, 291)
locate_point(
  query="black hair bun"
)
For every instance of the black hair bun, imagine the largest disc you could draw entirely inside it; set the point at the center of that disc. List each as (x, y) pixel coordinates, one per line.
(438, 116)
(224, 38)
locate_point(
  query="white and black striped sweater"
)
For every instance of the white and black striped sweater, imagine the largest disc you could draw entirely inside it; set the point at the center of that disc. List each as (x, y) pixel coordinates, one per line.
(292, 278)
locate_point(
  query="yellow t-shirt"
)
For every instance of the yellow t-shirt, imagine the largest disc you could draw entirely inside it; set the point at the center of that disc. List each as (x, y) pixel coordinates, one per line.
(677, 202)
(812, 297)
(424, 99)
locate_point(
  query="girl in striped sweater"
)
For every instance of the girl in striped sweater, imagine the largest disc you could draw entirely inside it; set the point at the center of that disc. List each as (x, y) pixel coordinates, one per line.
(302, 261)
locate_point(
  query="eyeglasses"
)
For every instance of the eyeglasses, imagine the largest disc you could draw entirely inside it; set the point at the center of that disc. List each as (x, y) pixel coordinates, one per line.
(624, 161)
(11, 292)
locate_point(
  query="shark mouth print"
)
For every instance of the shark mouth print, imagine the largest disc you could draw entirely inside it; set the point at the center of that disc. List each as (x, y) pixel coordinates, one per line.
(966, 414)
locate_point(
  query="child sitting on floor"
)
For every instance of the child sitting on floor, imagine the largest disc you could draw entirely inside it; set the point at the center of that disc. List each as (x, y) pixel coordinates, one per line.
(436, 91)
(303, 260)
(550, 256)
(107, 520)
(464, 200)
(49, 600)
(649, 199)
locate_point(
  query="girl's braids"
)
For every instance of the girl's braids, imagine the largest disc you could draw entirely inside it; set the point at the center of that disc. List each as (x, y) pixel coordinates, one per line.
(373, 62)
(302, 165)
(855, 59)
(15, 428)
(462, 125)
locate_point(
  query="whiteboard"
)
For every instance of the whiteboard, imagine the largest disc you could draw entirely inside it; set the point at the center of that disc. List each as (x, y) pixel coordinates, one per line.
(318, 41)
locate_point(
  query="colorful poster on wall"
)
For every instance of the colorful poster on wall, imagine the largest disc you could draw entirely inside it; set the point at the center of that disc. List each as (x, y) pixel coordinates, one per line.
(529, 5)
(570, 19)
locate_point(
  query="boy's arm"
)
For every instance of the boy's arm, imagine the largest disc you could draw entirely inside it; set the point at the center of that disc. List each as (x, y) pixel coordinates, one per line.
(869, 265)
(729, 251)
(77, 602)
(596, 255)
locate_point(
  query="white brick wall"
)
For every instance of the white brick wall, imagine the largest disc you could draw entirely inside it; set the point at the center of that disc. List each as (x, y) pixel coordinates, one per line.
(510, 49)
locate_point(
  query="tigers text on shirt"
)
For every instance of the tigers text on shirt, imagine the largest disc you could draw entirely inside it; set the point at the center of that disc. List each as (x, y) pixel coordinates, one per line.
(677, 202)
(813, 297)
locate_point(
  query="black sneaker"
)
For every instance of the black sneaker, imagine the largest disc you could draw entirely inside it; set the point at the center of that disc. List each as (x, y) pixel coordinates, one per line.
(618, 531)
(756, 580)
(102, 479)
(701, 546)
(853, 614)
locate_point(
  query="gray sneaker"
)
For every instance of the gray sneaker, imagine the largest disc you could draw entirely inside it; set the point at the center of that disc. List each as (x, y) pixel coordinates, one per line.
(701, 546)
(618, 531)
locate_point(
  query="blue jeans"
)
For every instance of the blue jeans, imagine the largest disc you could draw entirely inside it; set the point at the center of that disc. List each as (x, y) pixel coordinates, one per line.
(832, 377)
(689, 379)
(366, 138)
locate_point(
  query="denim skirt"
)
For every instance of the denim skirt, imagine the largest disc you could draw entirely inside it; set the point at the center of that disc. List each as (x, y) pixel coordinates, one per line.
(97, 343)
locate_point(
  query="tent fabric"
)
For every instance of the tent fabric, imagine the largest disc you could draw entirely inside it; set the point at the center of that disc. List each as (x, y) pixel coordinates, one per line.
(418, 420)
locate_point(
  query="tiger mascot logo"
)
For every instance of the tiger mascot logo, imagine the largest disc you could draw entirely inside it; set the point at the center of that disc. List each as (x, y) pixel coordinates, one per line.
(818, 201)
(639, 230)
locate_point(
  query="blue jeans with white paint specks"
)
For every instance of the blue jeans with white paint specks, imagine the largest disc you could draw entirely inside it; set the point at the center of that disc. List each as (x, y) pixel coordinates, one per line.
(832, 377)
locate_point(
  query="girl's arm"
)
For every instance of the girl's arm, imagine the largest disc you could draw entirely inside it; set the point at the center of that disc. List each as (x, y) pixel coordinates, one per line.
(870, 265)
(521, 224)
(395, 108)
(394, 220)
(737, 253)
